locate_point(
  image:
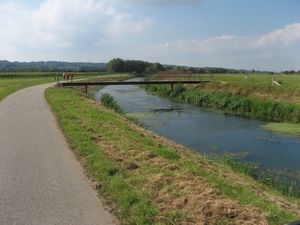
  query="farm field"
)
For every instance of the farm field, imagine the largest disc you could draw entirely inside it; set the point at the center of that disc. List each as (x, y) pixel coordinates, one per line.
(253, 85)
(264, 80)
(13, 81)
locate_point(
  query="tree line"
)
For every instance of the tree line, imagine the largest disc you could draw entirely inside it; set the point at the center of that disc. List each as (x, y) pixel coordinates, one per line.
(117, 65)
(46, 66)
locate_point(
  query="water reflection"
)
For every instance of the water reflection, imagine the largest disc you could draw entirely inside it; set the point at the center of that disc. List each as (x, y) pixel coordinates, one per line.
(208, 132)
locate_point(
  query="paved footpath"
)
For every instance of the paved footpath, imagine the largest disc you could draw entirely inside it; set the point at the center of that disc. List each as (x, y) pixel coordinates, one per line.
(40, 180)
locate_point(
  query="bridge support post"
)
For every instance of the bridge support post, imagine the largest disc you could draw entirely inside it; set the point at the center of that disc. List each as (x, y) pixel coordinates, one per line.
(86, 89)
(172, 87)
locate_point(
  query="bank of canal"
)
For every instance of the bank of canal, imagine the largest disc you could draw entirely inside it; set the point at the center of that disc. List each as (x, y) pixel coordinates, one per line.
(206, 131)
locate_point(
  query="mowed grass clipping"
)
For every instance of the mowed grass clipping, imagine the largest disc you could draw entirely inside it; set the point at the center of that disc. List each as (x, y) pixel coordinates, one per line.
(147, 179)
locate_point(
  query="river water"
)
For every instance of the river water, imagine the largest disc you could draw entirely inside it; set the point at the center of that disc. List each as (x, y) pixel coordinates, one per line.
(208, 132)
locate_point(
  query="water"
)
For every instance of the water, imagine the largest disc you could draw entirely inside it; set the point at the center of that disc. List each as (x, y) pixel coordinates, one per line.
(208, 132)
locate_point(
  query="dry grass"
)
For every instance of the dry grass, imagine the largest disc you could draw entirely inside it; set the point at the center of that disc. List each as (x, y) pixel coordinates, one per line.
(175, 188)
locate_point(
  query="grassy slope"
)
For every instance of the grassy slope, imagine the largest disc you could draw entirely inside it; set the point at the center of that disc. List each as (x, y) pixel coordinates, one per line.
(147, 179)
(8, 86)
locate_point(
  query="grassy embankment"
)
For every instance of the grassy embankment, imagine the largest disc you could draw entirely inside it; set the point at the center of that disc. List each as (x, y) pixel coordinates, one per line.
(255, 96)
(147, 179)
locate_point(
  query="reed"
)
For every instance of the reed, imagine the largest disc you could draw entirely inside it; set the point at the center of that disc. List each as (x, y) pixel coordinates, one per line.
(247, 105)
(109, 102)
(281, 182)
(285, 182)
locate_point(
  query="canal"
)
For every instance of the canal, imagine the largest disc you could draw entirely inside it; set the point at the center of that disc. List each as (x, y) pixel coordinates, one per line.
(208, 132)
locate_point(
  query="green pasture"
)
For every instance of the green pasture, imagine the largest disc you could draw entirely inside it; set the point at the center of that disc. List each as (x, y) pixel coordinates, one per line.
(286, 81)
(13, 81)
(10, 85)
(79, 75)
(264, 80)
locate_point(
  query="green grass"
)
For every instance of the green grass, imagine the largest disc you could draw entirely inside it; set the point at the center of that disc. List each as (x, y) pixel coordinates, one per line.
(100, 137)
(86, 126)
(281, 105)
(261, 80)
(8, 86)
(13, 81)
(109, 102)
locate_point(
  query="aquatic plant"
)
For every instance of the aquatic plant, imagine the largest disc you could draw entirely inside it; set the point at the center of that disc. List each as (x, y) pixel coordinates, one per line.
(286, 182)
(280, 181)
(234, 162)
(109, 102)
(238, 104)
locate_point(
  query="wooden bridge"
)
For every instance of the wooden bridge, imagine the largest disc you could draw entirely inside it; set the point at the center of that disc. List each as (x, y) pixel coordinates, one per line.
(104, 83)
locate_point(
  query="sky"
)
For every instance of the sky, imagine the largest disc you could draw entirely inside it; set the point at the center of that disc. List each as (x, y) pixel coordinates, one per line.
(238, 34)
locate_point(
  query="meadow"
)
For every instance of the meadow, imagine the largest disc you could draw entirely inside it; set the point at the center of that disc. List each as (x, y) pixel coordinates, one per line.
(253, 95)
(13, 81)
(147, 179)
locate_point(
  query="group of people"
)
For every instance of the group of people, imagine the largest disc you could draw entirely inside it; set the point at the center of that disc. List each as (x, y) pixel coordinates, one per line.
(68, 76)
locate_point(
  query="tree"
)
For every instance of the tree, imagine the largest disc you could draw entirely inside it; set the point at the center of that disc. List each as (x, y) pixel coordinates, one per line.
(116, 65)
(192, 70)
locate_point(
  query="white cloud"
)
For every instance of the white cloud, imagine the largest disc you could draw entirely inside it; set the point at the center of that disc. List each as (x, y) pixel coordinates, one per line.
(56, 26)
(286, 36)
(229, 51)
(124, 23)
(160, 3)
(97, 30)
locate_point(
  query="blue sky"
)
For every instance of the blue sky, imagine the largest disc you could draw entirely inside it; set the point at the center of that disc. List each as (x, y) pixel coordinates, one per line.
(239, 34)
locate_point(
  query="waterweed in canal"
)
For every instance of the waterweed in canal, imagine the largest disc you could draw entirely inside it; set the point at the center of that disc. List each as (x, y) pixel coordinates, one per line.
(233, 160)
(285, 181)
(285, 129)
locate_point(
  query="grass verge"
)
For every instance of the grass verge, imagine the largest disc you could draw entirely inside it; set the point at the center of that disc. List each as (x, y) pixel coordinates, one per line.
(8, 86)
(147, 179)
(230, 98)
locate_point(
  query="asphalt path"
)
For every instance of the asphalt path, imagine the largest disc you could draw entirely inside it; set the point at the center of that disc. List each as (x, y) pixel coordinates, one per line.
(41, 181)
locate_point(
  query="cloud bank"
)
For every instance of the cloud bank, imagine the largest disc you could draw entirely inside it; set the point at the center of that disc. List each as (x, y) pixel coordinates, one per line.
(97, 31)
(224, 51)
(58, 25)
(160, 3)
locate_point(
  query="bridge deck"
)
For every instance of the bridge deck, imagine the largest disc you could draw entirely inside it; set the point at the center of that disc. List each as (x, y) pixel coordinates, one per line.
(95, 83)
(63, 84)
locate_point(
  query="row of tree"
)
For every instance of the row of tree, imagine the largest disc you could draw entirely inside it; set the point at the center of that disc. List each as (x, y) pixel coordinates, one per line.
(118, 65)
(50, 66)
